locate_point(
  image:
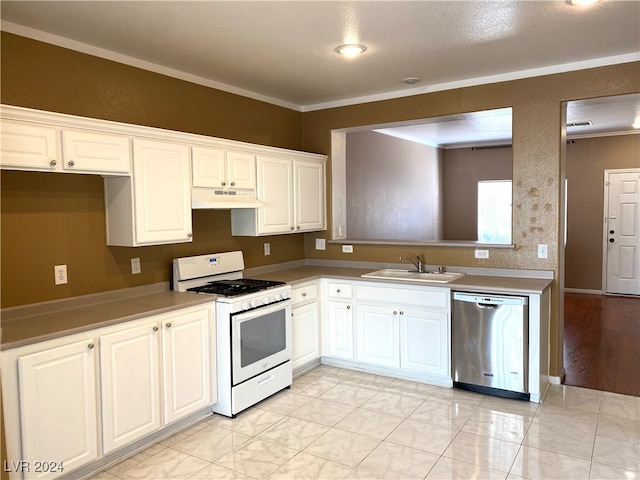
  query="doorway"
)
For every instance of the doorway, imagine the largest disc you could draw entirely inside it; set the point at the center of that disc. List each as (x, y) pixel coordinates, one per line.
(621, 245)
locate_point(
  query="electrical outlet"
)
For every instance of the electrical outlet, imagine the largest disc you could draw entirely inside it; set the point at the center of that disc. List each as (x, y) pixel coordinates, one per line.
(135, 266)
(321, 244)
(267, 249)
(60, 272)
(482, 253)
(347, 248)
(542, 250)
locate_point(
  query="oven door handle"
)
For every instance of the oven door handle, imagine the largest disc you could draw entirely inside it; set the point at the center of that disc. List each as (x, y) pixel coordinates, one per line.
(259, 311)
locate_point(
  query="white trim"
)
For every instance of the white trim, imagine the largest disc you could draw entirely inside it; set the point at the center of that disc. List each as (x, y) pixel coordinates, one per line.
(153, 67)
(583, 291)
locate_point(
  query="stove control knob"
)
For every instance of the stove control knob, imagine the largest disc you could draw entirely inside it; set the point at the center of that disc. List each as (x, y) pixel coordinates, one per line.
(285, 296)
(277, 297)
(265, 300)
(253, 303)
(244, 306)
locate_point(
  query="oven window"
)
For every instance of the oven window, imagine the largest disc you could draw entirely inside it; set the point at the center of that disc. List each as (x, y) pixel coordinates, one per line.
(262, 337)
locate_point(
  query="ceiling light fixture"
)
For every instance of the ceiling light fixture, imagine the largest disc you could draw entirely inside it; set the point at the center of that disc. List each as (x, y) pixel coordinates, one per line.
(582, 3)
(411, 80)
(351, 49)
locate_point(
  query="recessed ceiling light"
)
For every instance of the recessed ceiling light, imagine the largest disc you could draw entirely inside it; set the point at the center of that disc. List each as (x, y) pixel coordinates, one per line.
(582, 3)
(411, 80)
(351, 50)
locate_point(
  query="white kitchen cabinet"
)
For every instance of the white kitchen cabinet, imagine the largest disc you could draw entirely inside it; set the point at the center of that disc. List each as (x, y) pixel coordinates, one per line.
(218, 168)
(424, 342)
(58, 408)
(154, 205)
(338, 337)
(378, 335)
(42, 147)
(130, 378)
(293, 194)
(186, 364)
(305, 320)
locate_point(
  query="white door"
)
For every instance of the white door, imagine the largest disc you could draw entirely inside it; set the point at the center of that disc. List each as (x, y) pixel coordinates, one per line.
(275, 191)
(130, 376)
(622, 231)
(306, 341)
(310, 196)
(209, 168)
(241, 170)
(424, 342)
(28, 147)
(58, 407)
(339, 336)
(96, 152)
(185, 364)
(377, 335)
(162, 190)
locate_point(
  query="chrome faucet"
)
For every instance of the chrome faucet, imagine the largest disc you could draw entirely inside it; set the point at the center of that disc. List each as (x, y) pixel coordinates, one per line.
(417, 264)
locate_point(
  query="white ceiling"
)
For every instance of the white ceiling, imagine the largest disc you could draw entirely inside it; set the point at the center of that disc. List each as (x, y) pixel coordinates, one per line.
(284, 52)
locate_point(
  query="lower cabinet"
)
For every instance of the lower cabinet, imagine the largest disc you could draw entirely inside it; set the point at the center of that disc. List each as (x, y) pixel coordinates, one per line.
(58, 407)
(305, 322)
(338, 334)
(125, 382)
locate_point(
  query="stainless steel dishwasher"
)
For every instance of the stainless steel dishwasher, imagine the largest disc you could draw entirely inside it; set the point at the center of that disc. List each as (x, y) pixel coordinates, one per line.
(490, 344)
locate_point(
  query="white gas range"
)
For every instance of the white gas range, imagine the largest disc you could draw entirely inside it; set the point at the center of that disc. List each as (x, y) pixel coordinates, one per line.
(253, 328)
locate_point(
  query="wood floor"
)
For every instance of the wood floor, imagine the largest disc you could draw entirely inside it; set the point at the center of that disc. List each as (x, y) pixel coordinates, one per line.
(602, 342)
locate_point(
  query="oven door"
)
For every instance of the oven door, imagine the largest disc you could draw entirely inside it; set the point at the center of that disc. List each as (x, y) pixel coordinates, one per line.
(260, 340)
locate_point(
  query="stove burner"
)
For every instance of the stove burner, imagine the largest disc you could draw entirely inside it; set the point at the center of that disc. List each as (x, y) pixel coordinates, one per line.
(233, 288)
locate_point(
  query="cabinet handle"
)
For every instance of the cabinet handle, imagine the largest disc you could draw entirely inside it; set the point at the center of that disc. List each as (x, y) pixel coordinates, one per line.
(338, 291)
(155, 329)
(53, 163)
(304, 294)
(90, 346)
(233, 184)
(168, 325)
(298, 227)
(189, 234)
(395, 312)
(401, 312)
(291, 228)
(71, 163)
(348, 307)
(224, 184)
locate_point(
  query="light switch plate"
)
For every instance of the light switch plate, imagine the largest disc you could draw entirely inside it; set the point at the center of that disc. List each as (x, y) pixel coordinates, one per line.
(482, 253)
(542, 251)
(347, 248)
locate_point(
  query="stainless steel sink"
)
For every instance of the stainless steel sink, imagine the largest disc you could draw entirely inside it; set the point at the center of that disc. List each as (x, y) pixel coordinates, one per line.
(391, 274)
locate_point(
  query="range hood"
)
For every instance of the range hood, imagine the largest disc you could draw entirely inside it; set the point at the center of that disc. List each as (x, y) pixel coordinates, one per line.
(211, 198)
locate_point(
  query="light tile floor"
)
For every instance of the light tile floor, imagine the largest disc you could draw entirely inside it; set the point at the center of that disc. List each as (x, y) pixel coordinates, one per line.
(335, 423)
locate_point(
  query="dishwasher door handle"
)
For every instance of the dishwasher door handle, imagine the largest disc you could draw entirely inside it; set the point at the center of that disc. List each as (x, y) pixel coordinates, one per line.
(489, 306)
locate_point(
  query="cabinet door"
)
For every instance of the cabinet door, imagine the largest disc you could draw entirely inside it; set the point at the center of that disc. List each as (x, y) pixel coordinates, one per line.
(241, 170)
(185, 364)
(306, 334)
(275, 180)
(339, 335)
(162, 192)
(425, 342)
(28, 147)
(96, 153)
(130, 376)
(58, 406)
(209, 169)
(309, 196)
(377, 335)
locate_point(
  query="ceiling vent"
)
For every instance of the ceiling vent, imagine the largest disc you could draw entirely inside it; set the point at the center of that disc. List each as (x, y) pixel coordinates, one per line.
(586, 123)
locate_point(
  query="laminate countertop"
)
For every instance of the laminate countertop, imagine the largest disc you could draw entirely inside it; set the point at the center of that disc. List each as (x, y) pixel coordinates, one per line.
(47, 325)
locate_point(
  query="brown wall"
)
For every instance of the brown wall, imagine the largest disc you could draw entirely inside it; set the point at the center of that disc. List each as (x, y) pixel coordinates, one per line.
(463, 169)
(587, 159)
(538, 145)
(51, 219)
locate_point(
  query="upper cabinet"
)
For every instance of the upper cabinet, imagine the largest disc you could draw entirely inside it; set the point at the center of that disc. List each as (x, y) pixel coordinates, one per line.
(40, 147)
(154, 205)
(217, 168)
(292, 191)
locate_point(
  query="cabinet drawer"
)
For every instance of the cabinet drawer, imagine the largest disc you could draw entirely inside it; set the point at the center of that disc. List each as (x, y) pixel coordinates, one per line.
(340, 290)
(433, 297)
(305, 293)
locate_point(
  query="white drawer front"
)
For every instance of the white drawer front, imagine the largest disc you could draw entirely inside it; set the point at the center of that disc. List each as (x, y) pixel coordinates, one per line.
(305, 293)
(434, 298)
(340, 290)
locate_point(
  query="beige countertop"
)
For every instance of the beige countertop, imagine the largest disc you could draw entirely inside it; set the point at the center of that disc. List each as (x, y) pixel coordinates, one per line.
(47, 325)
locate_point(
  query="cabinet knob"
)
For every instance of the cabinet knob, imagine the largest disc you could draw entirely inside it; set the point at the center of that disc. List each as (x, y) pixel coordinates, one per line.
(71, 163)
(233, 184)
(224, 184)
(168, 325)
(304, 294)
(53, 163)
(189, 234)
(298, 227)
(291, 228)
(401, 312)
(90, 346)
(348, 307)
(395, 312)
(155, 329)
(338, 291)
